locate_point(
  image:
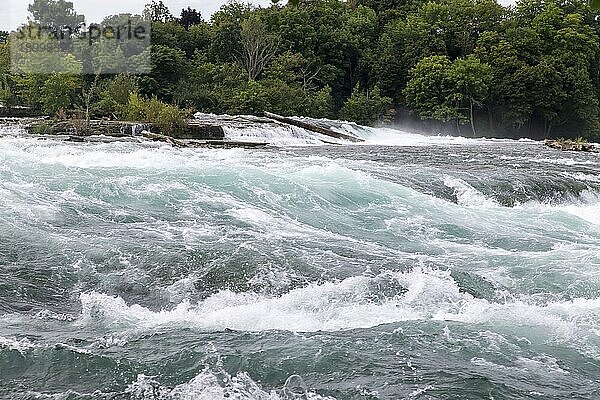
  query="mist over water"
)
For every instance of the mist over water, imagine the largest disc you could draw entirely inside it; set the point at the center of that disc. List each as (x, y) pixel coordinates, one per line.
(406, 267)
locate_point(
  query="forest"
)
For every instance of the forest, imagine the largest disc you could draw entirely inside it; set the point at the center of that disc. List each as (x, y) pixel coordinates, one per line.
(468, 67)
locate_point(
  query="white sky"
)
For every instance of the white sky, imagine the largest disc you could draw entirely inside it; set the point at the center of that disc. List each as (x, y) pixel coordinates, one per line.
(15, 12)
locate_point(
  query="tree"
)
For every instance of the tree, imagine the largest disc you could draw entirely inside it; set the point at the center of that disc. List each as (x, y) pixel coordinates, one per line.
(169, 66)
(541, 62)
(258, 48)
(427, 91)
(157, 11)
(400, 48)
(169, 34)
(529, 70)
(123, 21)
(190, 17)
(108, 58)
(227, 31)
(55, 14)
(59, 92)
(4, 60)
(210, 87)
(443, 90)
(445, 27)
(293, 87)
(470, 80)
(6, 94)
(169, 119)
(367, 108)
(115, 94)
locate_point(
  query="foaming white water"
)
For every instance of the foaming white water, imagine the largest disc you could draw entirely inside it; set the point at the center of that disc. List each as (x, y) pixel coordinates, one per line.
(467, 195)
(584, 177)
(247, 128)
(145, 155)
(209, 385)
(420, 294)
(10, 129)
(586, 208)
(20, 345)
(253, 129)
(274, 135)
(389, 136)
(587, 212)
(394, 137)
(563, 161)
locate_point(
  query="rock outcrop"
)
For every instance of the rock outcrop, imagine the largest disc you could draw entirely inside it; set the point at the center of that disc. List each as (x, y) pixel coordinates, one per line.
(571, 145)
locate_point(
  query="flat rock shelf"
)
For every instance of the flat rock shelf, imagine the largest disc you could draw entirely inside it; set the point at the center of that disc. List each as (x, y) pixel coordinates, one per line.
(197, 133)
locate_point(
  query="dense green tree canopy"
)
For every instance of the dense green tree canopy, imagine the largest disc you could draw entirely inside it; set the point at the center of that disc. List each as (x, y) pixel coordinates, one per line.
(528, 70)
(55, 14)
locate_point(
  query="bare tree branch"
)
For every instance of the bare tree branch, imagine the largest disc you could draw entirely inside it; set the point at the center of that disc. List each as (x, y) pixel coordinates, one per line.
(258, 48)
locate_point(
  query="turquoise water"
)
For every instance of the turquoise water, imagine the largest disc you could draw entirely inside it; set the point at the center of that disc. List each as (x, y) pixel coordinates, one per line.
(407, 268)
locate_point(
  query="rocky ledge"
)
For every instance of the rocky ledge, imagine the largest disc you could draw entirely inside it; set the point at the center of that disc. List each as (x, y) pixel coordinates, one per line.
(572, 145)
(194, 129)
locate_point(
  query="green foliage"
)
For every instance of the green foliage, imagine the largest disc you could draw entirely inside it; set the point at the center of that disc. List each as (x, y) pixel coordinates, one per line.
(58, 93)
(55, 14)
(428, 90)
(169, 66)
(43, 128)
(289, 86)
(367, 108)
(532, 69)
(173, 35)
(542, 65)
(115, 95)
(292, 84)
(35, 55)
(446, 27)
(169, 119)
(190, 17)
(5, 90)
(135, 109)
(227, 31)
(157, 11)
(443, 90)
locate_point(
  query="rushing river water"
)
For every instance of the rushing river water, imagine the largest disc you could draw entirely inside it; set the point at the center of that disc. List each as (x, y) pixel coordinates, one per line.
(407, 268)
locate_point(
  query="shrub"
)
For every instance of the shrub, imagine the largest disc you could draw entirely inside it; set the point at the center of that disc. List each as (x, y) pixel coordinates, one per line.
(43, 128)
(116, 94)
(169, 119)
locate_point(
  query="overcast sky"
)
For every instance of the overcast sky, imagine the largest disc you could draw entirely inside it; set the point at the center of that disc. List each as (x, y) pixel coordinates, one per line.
(96, 10)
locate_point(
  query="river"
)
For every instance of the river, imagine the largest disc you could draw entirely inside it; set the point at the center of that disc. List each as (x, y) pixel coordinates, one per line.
(408, 267)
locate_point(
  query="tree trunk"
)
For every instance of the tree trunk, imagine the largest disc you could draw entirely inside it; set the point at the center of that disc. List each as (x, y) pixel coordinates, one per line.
(547, 129)
(313, 128)
(472, 119)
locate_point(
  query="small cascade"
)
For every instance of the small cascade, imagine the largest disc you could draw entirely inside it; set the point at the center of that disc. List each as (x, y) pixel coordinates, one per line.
(247, 128)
